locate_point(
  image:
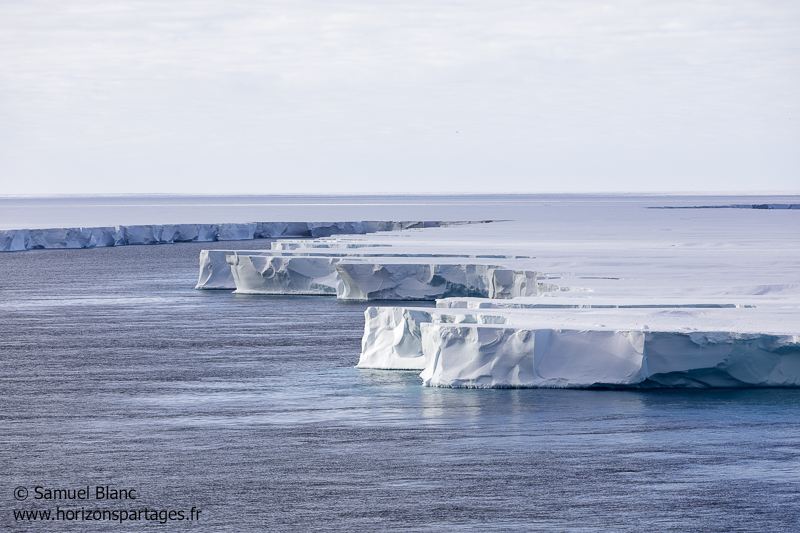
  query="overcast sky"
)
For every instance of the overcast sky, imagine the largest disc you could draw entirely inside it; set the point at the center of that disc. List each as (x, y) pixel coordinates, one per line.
(239, 97)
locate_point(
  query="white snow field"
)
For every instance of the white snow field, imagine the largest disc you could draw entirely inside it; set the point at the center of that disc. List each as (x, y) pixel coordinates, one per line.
(568, 294)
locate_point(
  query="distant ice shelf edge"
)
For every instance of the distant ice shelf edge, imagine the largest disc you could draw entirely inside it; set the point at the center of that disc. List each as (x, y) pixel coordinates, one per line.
(17, 240)
(732, 206)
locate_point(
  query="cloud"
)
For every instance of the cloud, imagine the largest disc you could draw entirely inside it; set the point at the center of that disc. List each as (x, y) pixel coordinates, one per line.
(362, 96)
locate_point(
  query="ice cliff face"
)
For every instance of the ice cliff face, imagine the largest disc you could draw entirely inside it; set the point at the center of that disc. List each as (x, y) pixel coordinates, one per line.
(393, 336)
(487, 356)
(431, 280)
(358, 275)
(33, 239)
(531, 347)
(258, 274)
(216, 274)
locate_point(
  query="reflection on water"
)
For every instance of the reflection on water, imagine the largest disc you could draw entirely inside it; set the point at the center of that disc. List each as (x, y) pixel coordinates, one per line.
(115, 371)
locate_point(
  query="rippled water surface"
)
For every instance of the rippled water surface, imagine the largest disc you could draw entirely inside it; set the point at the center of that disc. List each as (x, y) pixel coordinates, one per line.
(116, 372)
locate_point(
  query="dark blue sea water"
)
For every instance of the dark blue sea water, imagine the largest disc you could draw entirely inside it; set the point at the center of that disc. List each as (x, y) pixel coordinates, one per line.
(114, 371)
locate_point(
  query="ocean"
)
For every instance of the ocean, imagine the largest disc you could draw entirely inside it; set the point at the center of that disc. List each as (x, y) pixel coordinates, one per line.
(116, 373)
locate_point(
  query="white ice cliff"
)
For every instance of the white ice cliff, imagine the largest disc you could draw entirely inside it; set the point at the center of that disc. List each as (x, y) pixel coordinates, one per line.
(260, 274)
(14, 240)
(577, 345)
(393, 339)
(216, 271)
(496, 356)
(430, 280)
(373, 278)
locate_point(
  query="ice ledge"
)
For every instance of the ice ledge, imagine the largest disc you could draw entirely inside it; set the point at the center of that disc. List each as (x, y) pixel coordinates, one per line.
(741, 346)
(16, 240)
(484, 356)
(216, 269)
(393, 339)
(352, 278)
(430, 280)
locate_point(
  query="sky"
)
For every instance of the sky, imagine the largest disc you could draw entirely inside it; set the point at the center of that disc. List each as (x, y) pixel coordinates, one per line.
(432, 96)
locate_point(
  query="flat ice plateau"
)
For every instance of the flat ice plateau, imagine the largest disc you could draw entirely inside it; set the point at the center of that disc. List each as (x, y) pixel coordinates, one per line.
(632, 294)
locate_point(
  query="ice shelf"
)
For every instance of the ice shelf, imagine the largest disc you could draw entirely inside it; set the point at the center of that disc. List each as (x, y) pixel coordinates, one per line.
(420, 280)
(580, 345)
(569, 295)
(734, 206)
(373, 278)
(261, 274)
(488, 356)
(216, 271)
(393, 339)
(32, 239)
